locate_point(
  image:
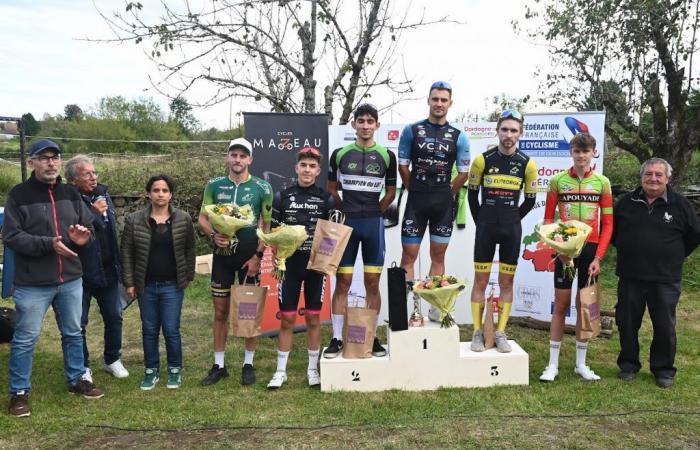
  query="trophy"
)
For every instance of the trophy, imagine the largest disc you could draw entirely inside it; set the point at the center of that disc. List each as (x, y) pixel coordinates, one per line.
(416, 319)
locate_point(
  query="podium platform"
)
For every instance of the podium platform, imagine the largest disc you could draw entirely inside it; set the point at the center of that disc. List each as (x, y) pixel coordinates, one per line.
(426, 358)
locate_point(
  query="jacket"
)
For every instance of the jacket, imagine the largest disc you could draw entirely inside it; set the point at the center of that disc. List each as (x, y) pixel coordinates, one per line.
(35, 213)
(136, 245)
(653, 240)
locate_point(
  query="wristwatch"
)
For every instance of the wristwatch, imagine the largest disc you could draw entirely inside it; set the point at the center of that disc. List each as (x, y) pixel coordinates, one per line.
(259, 254)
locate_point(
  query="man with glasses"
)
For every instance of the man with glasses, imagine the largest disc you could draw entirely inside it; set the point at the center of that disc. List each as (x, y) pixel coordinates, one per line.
(431, 148)
(361, 170)
(499, 173)
(101, 268)
(46, 224)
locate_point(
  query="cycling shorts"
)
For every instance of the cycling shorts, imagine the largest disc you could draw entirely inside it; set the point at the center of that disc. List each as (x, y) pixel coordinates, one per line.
(507, 236)
(225, 268)
(423, 209)
(368, 231)
(580, 265)
(289, 291)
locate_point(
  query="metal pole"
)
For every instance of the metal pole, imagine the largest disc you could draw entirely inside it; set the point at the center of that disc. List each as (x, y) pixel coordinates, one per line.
(22, 151)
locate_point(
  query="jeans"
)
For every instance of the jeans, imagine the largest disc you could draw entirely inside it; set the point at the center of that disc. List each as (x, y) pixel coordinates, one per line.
(31, 304)
(110, 306)
(161, 307)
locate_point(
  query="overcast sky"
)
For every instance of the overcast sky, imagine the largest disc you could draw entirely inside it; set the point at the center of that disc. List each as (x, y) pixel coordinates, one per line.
(45, 66)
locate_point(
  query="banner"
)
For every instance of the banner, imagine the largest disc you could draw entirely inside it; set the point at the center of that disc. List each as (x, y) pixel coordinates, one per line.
(276, 139)
(546, 139)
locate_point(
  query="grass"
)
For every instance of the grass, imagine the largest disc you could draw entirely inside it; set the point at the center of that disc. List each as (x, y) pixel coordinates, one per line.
(568, 413)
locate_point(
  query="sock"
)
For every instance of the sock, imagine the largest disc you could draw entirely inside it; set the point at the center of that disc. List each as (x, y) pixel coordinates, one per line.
(338, 320)
(554, 348)
(313, 359)
(503, 315)
(581, 349)
(477, 312)
(282, 358)
(248, 357)
(219, 359)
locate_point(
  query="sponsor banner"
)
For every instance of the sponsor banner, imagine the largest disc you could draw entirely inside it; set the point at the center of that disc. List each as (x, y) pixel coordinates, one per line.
(276, 139)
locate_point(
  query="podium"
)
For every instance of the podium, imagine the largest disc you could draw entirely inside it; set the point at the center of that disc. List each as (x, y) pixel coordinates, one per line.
(426, 358)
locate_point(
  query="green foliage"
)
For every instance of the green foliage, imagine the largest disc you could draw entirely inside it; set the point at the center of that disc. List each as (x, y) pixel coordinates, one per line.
(9, 176)
(72, 112)
(181, 113)
(31, 126)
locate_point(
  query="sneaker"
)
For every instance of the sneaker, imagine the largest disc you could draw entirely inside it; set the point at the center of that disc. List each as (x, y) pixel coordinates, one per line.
(87, 376)
(116, 369)
(626, 376)
(174, 378)
(378, 349)
(150, 378)
(278, 379)
(19, 404)
(314, 377)
(586, 373)
(333, 348)
(549, 373)
(247, 375)
(664, 382)
(478, 341)
(215, 374)
(502, 344)
(86, 389)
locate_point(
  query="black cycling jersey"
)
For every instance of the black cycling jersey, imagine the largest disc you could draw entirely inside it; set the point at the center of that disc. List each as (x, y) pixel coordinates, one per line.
(298, 205)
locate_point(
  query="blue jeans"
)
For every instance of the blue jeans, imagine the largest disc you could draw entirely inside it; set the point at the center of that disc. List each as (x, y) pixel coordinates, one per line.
(31, 304)
(161, 307)
(110, 306)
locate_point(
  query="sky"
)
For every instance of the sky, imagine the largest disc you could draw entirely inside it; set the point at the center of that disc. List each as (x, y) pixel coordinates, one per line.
(45, 64)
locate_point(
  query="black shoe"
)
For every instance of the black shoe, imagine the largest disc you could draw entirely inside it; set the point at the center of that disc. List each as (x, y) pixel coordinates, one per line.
(664, 382)
(19, 405)
(248, 375)
(378, 349)
(215, 374)
(86, 389)
(333, 349)
(627, 376)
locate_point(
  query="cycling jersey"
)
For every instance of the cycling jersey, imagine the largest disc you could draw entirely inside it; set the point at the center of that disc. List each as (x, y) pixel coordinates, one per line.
(254, 192)
(588, 200)
(432, 150)
(362, 173)
(298, 205)
(500, 178)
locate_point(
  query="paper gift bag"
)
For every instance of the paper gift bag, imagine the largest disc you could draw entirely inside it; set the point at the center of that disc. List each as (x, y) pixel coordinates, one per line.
(330, 239)
(590, 310)
(396, 287)
(358, 332)
(247, 308)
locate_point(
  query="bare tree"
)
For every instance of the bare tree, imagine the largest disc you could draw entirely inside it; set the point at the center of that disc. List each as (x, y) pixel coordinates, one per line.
(276, 51)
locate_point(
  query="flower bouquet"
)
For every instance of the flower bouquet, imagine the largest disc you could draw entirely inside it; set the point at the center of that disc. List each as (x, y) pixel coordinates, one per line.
(567, 239)
(227, 219)
(286, 239)
(441, 291)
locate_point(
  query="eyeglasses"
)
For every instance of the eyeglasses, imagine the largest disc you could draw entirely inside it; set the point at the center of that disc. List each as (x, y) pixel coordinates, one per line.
(44, 159)
(88, 175)
(511, 114)
(441, 85)
(310, 151)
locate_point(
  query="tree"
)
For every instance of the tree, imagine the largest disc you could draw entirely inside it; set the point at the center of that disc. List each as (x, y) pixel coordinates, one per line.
(281, 52)
(31, 126)
(72, 112)
(181, 114)
(633, 58)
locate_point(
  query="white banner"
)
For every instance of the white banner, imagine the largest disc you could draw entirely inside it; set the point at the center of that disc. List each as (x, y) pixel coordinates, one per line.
(546, 139)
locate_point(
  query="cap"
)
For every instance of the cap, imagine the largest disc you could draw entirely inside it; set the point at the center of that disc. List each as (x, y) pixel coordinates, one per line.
(41, 145)
(241, 143)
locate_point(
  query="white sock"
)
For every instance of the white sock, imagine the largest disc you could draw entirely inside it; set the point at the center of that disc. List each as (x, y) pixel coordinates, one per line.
(282, 358)
(248, 357)
(219, 359)
(337, 320)
(313, 359)
(581, 348)
(554, 348)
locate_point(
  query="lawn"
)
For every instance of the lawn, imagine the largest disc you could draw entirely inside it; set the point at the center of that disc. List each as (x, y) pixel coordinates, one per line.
(568, 413)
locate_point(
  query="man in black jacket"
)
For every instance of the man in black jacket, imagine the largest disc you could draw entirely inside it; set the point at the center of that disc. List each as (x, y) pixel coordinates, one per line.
(100, 260)
(655, 230)
(46, 224)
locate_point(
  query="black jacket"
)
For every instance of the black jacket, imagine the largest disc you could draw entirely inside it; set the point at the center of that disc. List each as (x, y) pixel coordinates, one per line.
(653, 240)
(35, 213)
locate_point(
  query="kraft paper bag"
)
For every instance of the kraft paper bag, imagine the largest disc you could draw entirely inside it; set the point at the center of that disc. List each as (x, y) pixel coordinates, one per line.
(330, 239)
(590, 310)
(358, 332)
(247, 308)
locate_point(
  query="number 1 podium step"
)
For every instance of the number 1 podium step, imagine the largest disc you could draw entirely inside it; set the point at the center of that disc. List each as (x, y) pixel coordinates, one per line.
(426, 358)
